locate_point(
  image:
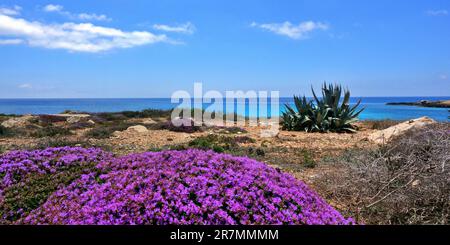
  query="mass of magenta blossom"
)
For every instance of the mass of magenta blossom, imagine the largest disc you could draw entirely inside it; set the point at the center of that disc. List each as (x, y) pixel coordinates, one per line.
(168, 187)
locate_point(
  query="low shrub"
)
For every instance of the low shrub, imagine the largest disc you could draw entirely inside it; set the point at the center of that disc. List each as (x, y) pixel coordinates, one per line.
(108, 116)
(381, 124)
(148, 113)
(50, 131)
(404, 182)
(3, 131)
(54, 142)
(8, 115)
(185, 187)
(218, 143)
(187, 127)
(258, 151)
(46, 120)
(106, 130)
(308, 160)
(124, 115)
(235, 130)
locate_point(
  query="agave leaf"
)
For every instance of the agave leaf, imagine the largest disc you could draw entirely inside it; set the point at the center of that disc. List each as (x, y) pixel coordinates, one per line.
(325, 114)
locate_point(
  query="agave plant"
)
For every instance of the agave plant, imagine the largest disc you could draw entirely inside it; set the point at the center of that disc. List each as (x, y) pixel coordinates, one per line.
(325, 114)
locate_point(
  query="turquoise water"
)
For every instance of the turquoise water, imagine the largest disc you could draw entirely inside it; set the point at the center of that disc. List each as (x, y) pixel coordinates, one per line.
(376, 107)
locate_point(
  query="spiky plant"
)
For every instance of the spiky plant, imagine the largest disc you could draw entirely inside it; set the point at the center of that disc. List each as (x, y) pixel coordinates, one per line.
(325, 114)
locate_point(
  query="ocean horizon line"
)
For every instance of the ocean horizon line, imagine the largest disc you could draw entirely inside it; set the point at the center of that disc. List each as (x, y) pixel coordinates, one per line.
(282, 97)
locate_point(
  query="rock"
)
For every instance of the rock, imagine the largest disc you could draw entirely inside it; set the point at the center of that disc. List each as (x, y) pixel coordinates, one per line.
(116, 133)
(91, 122)
(138, 129)
(18, 122)
(148, 121)
(73, 120)
(415, 183)
(266, 133)
(386, 135)
(178, 121)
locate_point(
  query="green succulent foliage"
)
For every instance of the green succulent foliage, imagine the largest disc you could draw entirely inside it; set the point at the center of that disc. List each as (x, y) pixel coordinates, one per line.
(325, 114)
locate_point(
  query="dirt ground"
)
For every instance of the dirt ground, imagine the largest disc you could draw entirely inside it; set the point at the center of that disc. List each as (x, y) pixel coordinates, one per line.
(288, 150)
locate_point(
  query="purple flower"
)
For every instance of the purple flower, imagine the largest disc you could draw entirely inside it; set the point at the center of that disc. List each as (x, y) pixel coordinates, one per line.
(178, 187)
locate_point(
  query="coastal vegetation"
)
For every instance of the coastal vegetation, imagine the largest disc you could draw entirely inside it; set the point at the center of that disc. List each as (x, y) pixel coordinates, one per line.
(82, 165)
(168, 187)
(325, 114)
(403, 182)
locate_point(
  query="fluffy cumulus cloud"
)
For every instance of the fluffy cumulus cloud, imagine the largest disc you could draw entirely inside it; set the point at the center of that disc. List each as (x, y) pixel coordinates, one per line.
(186, 28)
(438, 12)
(299, 31)
(75, 37)
(80, 16)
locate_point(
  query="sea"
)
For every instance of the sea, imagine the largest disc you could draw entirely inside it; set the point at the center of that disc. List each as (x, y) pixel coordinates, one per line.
(375, 107)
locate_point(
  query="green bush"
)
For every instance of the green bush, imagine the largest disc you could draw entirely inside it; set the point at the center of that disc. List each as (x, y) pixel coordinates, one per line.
(117, 116)
(324, 114)
(106, 130)
(63, 141)
(3, 130)
(219, 143)
(308, 160)
(50, 131)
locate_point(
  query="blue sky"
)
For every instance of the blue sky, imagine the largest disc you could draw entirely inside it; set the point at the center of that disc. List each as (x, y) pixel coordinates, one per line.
(79, 49)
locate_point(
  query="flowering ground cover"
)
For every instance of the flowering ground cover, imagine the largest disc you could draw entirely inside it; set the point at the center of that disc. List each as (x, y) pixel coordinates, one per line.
(168, 187)
(27, 178)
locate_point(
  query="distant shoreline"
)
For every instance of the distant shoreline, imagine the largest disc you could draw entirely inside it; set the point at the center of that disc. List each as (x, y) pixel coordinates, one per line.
(376, 108)
(424, 103)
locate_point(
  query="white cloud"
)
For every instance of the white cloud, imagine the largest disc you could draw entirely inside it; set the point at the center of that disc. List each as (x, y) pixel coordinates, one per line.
(187, 28)
(10, 41)
(101, 17)
(299, 31)
(26, 86)
(438, 12)
(11, 11)
(74, 37)
(81, 16)
(53, 8)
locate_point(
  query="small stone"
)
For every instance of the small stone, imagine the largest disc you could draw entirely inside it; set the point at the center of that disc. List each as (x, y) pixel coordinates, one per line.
(138, 129)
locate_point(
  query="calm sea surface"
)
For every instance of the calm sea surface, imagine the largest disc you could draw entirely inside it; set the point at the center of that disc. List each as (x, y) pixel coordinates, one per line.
(376, 107)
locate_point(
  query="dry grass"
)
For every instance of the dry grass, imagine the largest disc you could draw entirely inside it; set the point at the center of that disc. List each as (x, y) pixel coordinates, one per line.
(405, 182)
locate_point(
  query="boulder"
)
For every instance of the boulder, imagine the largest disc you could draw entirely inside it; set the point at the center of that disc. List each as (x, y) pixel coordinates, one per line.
(18, 122)
(73, 120)
(138, 129)
(187, 121)
(386, 135)
(148, 121)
